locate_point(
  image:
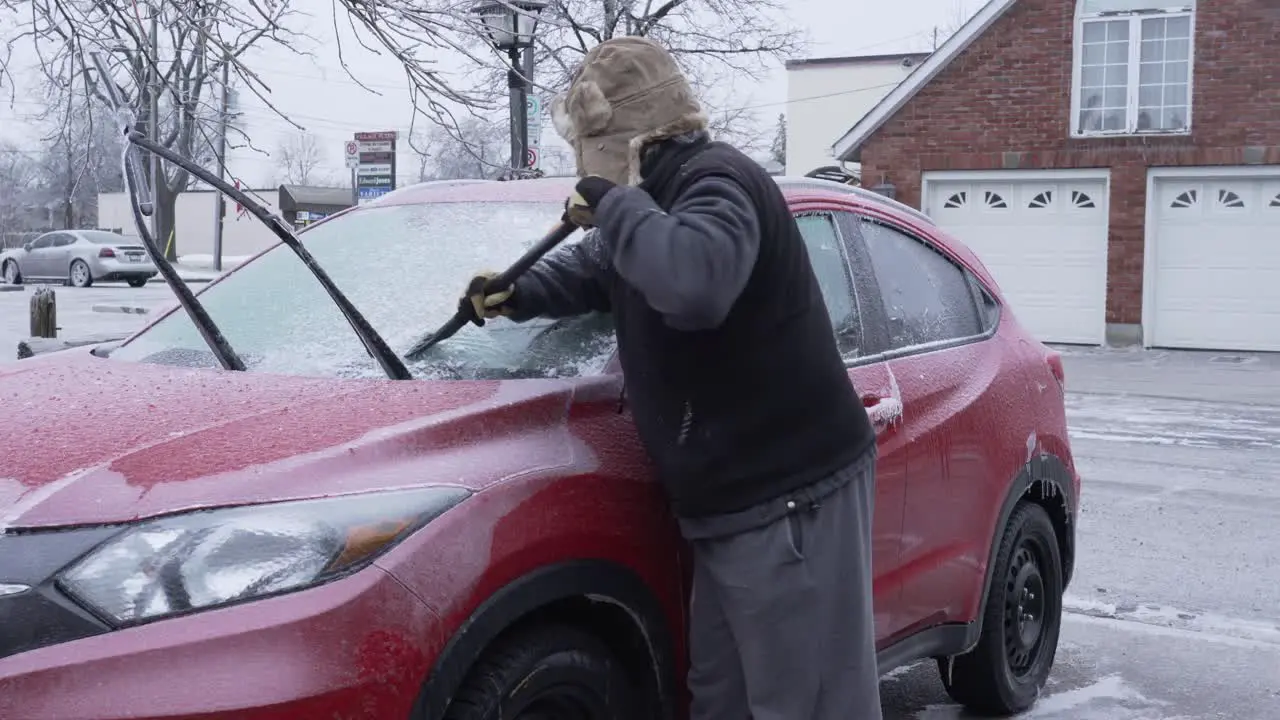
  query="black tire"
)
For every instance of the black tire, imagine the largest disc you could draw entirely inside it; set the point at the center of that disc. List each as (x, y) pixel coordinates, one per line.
(547, 672)
(10, 274)
(1021, 622)
(137, 282)
(85, 276)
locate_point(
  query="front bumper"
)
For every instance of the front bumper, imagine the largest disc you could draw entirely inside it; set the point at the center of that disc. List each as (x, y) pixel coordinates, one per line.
(359, 647)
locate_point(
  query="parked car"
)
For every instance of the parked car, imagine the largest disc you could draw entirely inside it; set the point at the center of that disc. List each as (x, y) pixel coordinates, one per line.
(311, 539)
(80, 258)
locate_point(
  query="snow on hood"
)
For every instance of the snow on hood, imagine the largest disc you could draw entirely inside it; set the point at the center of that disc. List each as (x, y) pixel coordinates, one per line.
(88, 441)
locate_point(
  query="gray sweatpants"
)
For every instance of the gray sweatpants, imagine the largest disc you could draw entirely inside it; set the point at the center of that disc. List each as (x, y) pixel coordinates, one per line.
(781, 624)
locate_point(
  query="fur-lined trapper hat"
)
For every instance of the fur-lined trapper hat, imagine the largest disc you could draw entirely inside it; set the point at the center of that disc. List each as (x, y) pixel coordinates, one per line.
(627, 93)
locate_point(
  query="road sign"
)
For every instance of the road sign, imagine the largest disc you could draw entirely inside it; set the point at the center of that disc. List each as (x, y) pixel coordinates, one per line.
(352, 152)
(380, 136)
(531, 158)
(533, 106)
(369, 194)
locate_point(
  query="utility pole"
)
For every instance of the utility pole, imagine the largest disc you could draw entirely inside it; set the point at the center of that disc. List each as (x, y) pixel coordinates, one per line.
(220, 204)
(154, 129)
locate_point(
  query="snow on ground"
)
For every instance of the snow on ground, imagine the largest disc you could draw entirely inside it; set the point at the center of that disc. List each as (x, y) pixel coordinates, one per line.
(75, 312)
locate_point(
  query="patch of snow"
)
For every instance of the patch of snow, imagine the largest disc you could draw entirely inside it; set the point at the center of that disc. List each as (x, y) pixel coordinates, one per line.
(1176, 618)
(1109, 691)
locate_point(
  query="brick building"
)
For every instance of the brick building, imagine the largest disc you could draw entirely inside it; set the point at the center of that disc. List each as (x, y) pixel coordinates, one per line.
(1115, 163)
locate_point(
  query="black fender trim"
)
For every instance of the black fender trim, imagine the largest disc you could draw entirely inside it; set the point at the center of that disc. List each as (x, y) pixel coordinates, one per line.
(591, 580)
(1049, 475)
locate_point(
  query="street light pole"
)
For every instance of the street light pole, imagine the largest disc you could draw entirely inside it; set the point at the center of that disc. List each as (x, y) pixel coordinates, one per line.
(510, 25)
(154, 130)
(519, 119)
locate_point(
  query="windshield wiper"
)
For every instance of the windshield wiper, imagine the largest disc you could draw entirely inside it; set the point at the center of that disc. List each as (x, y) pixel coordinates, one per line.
(136, 183)
(372, 341)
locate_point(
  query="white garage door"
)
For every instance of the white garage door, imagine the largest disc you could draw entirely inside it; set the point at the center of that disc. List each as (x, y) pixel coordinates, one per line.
(1044, 239)
(1215, 263)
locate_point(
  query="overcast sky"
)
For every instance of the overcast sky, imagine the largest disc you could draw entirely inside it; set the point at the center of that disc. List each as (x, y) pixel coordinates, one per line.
(323, 99)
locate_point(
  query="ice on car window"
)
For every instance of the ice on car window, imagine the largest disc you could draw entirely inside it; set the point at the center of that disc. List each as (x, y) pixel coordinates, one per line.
(926, 297)
(829, 266)
(404, 267)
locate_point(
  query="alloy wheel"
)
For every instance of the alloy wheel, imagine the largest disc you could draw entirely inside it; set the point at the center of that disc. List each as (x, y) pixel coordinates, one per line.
(79, 274)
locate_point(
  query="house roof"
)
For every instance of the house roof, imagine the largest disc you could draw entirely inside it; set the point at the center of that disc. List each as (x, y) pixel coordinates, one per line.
(848, 147)
(293, 197)
(851, 59)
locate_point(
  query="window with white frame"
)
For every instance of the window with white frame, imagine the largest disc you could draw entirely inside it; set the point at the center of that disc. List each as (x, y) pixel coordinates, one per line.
(1133, 66)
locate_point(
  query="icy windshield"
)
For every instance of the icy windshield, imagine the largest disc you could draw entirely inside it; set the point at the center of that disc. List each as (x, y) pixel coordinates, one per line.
(404, 267)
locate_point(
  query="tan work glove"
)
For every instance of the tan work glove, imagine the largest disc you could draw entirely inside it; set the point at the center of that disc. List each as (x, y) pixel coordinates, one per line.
(480, 307)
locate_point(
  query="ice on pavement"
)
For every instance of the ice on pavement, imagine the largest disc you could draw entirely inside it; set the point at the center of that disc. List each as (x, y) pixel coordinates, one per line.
(1107, 698)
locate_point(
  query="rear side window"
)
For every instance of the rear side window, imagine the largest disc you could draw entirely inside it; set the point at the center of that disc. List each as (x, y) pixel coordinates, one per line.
(63, 240)
(826, 255)
(927, 298)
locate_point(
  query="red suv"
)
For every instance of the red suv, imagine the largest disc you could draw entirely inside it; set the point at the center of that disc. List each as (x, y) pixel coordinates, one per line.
(311, 539)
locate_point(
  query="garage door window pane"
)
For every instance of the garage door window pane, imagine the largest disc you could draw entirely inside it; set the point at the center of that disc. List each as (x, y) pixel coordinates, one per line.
(926, 297)
(829, 265)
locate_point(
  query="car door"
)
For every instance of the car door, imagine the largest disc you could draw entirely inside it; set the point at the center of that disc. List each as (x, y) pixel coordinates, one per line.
(37, 261)
(828, 246)
(939, 362)
(59, 255)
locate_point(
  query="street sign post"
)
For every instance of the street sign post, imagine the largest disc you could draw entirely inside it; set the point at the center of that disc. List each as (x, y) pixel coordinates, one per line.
(352, 152)
(374, 172)
(533, 115)
(532, 158)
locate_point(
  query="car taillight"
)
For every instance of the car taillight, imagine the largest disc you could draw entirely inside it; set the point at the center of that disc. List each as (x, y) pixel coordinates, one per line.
(106, 252)
(1055, 366)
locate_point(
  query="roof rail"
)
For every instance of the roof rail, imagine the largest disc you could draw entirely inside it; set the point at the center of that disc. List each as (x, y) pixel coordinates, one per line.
(842, 189)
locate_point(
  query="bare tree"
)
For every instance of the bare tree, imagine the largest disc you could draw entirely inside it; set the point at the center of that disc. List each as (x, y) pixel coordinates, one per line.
(778, 149)
(19, 175)
(300, 158)
(178, 67)
(81, 156)
(478, 149)
(715, 41)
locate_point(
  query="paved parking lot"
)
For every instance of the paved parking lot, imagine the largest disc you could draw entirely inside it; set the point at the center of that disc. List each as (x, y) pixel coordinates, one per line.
(76, 314)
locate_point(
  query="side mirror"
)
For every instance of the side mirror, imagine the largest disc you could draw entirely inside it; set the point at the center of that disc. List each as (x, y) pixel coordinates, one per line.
(26, 247)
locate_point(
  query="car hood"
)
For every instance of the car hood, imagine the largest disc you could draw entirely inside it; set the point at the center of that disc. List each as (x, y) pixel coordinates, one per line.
(90, 441)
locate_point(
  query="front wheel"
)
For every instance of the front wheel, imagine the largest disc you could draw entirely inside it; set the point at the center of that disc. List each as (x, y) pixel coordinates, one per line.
(80, 275)
(548, 672)
(1007, 670)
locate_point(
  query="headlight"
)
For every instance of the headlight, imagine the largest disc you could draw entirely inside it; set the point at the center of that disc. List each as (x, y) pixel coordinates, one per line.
(204, 559)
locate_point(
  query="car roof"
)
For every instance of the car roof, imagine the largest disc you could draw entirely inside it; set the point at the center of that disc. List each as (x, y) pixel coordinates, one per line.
(555, 189)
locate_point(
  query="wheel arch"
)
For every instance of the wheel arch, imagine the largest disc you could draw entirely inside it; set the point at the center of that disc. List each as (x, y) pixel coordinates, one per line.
(605, 598)
(1047, 482)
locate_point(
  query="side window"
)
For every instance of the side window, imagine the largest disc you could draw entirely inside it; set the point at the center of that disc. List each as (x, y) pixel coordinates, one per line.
(826, 255)
(43, 241)
(927, 298)
(63, 240)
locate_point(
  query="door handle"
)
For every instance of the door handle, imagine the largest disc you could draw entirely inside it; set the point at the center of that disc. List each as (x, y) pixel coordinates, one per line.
(884, 412)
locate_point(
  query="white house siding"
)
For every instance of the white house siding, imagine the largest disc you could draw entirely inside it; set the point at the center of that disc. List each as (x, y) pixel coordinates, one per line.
(826, 96)
(194, 232)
